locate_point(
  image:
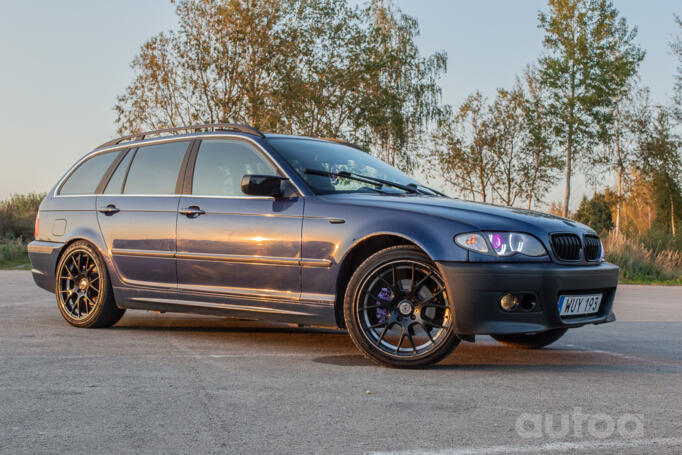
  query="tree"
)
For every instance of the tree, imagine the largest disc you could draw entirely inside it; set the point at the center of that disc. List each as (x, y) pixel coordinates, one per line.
(542, 163)
(579, 36)
(18, 216)
(404, 90)
(218, 67)
(326, 87)
(619, 64)
(311, 67)
(661, 162)
(462, 149)
(500, 151)
(676, 48)
(595, 212)
(622, 141)
(508, 139)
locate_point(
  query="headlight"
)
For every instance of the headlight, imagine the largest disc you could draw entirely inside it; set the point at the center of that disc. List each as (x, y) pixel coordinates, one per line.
(501, 243)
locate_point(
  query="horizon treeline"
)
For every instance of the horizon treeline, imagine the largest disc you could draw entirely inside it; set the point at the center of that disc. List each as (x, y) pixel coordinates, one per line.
(327, 68)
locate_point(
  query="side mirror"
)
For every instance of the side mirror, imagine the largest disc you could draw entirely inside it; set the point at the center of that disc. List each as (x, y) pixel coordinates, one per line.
(263, 185)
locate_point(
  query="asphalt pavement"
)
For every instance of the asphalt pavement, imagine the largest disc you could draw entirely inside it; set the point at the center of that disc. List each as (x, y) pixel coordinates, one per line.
(170, 383)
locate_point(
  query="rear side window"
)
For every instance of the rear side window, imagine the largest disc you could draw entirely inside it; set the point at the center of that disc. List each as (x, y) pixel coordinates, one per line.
(86, 177)
(221, 164)
(155, 169)
(115, 185)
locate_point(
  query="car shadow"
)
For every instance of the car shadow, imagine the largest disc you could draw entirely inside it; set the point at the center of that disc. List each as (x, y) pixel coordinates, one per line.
(333, 347)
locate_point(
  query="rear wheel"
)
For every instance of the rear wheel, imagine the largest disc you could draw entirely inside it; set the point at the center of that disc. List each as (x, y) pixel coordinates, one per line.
(530, 340)
(397, 311)
(84, 294)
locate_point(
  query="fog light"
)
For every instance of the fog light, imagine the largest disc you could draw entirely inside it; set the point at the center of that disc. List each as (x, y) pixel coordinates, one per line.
(528, 303)
(509, 302)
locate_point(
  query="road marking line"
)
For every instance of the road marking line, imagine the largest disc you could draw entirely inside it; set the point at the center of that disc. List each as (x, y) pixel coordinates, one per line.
(599, 351)
(222, 356)
(553, 447)
(622, 356)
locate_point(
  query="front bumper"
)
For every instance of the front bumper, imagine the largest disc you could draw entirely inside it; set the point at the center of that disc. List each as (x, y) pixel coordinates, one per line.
(475, 290)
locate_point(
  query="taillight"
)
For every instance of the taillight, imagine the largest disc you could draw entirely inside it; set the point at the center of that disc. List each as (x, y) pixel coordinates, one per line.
(35, 230)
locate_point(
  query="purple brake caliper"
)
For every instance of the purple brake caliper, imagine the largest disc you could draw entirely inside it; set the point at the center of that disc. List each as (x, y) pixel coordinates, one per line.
(382, 312)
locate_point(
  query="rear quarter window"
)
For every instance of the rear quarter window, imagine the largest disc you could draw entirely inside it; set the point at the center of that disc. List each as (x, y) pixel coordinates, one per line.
(86, 177)
(155, 169)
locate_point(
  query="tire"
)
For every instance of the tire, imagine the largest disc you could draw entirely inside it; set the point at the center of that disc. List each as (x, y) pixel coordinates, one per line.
(530, 340)
(83, 289)
(400, 290)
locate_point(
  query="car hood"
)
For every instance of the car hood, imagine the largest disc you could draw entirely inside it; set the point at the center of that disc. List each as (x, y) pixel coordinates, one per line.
(475, 214)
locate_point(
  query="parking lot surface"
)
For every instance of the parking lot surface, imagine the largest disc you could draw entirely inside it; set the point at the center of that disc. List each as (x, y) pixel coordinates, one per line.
(169, 383)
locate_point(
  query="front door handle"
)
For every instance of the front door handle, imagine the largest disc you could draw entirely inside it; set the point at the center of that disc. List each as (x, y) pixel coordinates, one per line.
(109, 209)
(192, 211)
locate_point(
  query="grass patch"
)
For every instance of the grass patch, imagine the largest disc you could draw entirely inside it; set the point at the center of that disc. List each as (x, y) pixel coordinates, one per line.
(13, 255)
(642, 265)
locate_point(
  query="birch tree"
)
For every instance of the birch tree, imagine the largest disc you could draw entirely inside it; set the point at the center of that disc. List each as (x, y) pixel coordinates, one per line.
(578, 38)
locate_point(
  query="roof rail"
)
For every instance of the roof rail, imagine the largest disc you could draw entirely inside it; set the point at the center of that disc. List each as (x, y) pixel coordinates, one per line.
(190, 128)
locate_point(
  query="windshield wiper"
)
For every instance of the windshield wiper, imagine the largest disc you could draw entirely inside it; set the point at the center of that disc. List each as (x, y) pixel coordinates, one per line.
(411, 188)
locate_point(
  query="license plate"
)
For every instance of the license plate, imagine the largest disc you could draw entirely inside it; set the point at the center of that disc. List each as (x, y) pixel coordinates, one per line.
(572, 305)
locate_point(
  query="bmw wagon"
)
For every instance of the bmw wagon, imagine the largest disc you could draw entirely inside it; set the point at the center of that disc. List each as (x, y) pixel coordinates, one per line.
(225, 220)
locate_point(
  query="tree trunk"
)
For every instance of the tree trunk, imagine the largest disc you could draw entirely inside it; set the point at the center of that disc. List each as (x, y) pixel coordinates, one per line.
(388, 149)
(619, 202)
(672, 214)
(569, 145)
(567, 191)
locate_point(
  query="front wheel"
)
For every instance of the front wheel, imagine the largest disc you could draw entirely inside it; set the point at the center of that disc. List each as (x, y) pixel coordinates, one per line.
(530, 340)
(397, 310)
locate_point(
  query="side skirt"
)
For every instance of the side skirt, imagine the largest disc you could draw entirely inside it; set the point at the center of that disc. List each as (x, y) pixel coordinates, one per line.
(299, 312)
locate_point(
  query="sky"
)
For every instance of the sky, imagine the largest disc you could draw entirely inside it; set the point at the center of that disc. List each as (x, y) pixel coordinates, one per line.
(64, 63)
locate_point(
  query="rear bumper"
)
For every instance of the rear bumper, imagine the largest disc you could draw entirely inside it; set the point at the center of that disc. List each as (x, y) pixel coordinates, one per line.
(475, 290)
(43, 256)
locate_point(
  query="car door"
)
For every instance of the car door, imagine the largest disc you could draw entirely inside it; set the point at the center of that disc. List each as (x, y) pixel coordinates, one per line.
(137, 213)
(232, 246)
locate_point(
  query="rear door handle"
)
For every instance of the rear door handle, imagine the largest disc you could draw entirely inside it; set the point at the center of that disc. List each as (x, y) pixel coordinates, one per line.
(192, 211)
(109, 209)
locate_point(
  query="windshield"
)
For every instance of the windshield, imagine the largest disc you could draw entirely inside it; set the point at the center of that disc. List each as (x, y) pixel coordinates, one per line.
(309, 155)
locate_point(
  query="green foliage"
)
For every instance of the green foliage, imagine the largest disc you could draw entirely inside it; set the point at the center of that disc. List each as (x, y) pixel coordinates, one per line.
(590, 58)
(595, 212)
(463, 154)
(13, 254)
(17, 216)
(660, 161)
(403, 91)
(676, 48)
(312, 67)
(640, 264)
(497, 152)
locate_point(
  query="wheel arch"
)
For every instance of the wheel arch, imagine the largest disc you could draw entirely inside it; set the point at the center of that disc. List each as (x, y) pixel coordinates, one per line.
(357, 254)
(92, 238)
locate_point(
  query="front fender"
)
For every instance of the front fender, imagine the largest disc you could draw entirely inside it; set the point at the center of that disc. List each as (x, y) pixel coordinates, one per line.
(331, 231)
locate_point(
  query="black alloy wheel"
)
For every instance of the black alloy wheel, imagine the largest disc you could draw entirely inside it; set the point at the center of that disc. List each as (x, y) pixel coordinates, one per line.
(397, 309)
(83, 290)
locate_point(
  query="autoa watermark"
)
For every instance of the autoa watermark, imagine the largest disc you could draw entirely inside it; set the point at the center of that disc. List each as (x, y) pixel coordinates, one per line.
(577, 423)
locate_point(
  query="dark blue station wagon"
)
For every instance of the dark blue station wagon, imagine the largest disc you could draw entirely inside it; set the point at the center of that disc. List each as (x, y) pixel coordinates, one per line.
(225, 220)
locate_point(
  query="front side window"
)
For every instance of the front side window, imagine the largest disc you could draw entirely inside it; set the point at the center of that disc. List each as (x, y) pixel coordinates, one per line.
(86, 177)
(155, 169)
(307, 156)
(221, 164)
